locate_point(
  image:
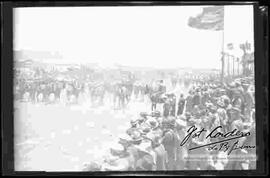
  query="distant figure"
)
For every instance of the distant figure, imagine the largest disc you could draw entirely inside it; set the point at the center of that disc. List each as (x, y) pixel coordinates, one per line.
(63, 96)
(181, 105)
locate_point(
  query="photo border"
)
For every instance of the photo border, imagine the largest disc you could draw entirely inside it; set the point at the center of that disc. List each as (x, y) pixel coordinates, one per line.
(261, 88)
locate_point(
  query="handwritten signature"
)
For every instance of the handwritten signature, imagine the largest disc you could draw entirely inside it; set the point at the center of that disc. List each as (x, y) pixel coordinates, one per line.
(220, 145)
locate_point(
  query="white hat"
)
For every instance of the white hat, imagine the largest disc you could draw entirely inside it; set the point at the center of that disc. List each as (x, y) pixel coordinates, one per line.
(180, 123)
(116, 146)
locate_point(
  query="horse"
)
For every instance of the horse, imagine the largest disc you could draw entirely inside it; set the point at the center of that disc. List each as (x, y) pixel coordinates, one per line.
(121, 95)
(97, 94)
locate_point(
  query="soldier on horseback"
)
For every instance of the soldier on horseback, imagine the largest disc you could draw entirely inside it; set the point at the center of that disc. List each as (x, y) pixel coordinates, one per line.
(156, 93)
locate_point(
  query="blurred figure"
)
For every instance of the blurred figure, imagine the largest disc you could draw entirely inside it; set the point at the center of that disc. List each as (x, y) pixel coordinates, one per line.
(181, 105)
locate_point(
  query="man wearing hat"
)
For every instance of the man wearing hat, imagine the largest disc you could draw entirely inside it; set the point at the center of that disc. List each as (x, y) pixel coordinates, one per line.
(222, 114)
(226, 100)
(197, 97)
(169, 141)
(205, 97)
(155, 128)
(145, 126)
(203, 154)
(237, 100)
(161, 157)
(196, 112)
(92, 166)
(188, 118)
(248, 101)
(166, 107)
(213, 116)
(235, 117)
(146, 159)
(172, 104)
(156, 114)
(162, 87)
(133, 126)
(181, 151)
(189, 102)
(121, 159)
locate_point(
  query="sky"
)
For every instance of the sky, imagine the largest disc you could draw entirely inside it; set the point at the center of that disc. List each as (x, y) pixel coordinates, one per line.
(152, 36)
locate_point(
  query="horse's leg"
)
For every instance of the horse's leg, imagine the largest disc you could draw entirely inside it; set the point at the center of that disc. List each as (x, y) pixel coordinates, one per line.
(117, 101)
(114, 100)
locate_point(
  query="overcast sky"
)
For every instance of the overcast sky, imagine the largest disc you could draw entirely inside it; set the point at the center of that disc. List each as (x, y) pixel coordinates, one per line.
(138, 36)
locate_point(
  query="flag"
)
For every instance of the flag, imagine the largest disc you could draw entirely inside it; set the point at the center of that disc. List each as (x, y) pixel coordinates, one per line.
(230, 46)
(212, 18)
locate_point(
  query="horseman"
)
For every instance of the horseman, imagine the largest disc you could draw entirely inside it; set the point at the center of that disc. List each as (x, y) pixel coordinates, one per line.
(120, 95)
(156, 94)
(162, 87)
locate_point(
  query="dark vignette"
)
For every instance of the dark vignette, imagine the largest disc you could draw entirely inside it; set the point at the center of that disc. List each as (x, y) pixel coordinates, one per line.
(261, 76)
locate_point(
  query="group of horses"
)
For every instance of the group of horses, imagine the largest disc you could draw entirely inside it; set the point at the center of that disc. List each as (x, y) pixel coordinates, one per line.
(120, 92)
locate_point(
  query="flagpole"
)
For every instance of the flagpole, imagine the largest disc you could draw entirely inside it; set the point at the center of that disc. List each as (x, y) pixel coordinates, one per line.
(223, 56)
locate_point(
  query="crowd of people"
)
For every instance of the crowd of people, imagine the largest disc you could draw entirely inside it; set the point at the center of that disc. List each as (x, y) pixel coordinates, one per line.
(158, 140)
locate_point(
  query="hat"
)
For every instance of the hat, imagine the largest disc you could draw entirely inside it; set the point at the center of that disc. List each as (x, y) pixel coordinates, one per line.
(181, 117)
(155, 139)
(143, 114)
(156, 114)
(193, 121)
(117, 146)
(205, 120)
(245, 84)
(153, 123)
(144, 146)
(232, 85)
(208, 105)
(222, 90)
(133, 120)
(188, 114)
(136, 135)
(168, 122)
(235, 109)
(180, 124)
(220, 103)
(144, 165)
(237, 84)
(145, 130)
(116, 149)
(212, 108)
(93, 166)
(124, 139)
